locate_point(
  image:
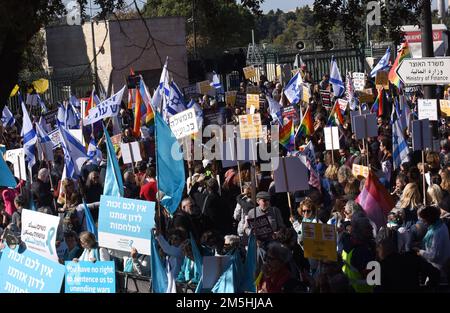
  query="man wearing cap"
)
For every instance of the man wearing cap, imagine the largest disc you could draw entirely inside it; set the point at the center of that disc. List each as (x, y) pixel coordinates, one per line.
(273, 214)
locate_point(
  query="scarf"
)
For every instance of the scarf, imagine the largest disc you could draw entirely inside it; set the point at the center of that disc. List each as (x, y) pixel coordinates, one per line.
(430, 233)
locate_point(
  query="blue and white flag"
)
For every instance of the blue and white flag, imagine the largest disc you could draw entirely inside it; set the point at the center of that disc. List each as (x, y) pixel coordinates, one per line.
(75, 101)
(45, 144)
(162, 93)
(399, 146)
(29, 137)
(275, 110)
(198, 112)
(68, 116)
(94, 153)
(336, 79)
(42, 104)
(175, 104)
(74, 153)
(294, 90)
(216, 82)
(7, 117)
(383, 64)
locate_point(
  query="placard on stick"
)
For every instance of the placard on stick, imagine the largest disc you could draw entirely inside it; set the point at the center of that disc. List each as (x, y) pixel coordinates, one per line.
(184, 123)
(381, 80)
(131, 152)
(230, 98)
(261, 226)
(331, 138)
(17, 158)
(249, 72)
(319, 241)
(352, 117)
(427, 109)
(250, 126)
(294, 171)
(253, 100)
(445, 107)
(421, 135)
(365, 126)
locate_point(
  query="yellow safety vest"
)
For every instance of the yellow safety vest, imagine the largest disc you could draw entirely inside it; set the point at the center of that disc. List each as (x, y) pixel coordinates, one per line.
(356, 280)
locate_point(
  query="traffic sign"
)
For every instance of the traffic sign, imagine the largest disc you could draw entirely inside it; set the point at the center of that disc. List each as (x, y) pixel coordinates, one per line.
(425, 71)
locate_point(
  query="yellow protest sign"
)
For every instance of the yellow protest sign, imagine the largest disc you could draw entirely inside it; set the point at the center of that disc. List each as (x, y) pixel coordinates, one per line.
(249, 72)
(445, 107)
(360, 171)
(40, 85)
(250, 126)
(252, 100)
(14, 91)
(305, 94)
(204, 87)
(381, 80)
(319, 241)
(230, 97)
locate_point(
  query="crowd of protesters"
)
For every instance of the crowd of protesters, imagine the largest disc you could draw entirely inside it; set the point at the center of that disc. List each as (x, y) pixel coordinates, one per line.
(412, 248)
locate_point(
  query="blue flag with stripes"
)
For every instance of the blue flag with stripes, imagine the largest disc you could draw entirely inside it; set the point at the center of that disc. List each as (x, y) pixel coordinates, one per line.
(336, 79)
(400, 147)
(29, 137)
(74, 153)
(383, 64)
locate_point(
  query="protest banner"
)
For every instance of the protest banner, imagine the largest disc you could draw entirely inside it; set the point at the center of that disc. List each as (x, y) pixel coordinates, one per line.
(249, 72)
(131, 152)
(230, 98)
(360, 170)
(55, 137)
(253, 100)
(291, 177)
(213, 267)
(445, 107)
(325, 96)
(184, 123)
(261, 227)
(331, 138)
(39, 233)
(28, 272)
(250, 126)
(359, 81)
(381, 80)
(17, 158)
(241, 99)
(427, 108)
(107, 108)
(89, 277)
(319, 241)
(342, 104)
(125, 223)
(289, 112)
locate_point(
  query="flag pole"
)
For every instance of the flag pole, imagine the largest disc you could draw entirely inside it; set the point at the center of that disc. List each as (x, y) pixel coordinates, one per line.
(287, 186)
(423, 178)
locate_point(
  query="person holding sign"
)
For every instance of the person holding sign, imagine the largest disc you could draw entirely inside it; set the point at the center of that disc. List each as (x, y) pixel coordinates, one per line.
(91, 251)
(273, 214)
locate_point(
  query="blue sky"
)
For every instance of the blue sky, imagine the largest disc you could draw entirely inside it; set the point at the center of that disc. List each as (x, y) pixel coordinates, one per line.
(284, 5)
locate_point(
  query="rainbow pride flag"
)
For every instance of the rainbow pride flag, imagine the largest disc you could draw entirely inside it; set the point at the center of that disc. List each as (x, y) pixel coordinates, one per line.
(377, 106)
(335, 117)
(403, 53)
(307, 125)
(287, 138)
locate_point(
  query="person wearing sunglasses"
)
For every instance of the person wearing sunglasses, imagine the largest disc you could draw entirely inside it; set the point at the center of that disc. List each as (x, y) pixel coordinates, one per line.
(307, 213)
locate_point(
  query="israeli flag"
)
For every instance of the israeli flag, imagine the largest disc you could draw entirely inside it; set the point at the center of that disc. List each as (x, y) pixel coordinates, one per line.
(275, 110)
(8, 118)
(45, 143)
(176, 102)
(74, 101)
(293, 90)
(74, 153)
(383, 64)
(399, 146)
(198, 112)
(29, 137)
(162, 93)
(336, 79)
(216, 82)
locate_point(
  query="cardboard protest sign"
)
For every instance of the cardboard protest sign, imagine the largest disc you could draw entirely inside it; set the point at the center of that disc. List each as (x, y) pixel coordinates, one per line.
(319, 241)
(213, 267)
(427, 109)
(366, 96)
(39, 233)
(365, 125)
(352, 117)
(249, 72)
(28, 272)
(381, 80)
(17, 158)
(205, 88)
(331, 138)
(184, 123)
(213, 117)
(55, 137)
(253, 100)
(261, 226)
(306, 94)
(360, 170)
(289, 112)
(230, 98)
(421, 135)
(250, 126)
(190, 91)
(358, 81)
(292, 170)
(445, 107)
(89, 277)
(131, 152)
(342, 104)
(325, 95)
(125, 223)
